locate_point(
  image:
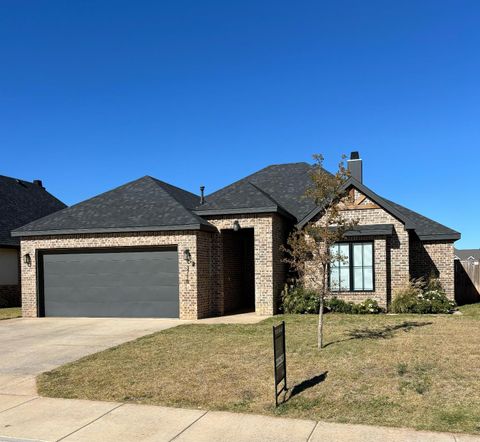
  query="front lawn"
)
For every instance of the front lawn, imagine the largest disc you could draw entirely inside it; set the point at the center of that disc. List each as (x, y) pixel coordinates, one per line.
(396, 370)
(10, 312)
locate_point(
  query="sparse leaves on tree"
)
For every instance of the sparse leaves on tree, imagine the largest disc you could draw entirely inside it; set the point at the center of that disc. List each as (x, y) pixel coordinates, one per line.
(309, 250)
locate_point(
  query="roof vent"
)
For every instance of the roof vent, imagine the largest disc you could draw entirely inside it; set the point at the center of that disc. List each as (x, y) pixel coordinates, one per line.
(202, 196)
(355, 166)
(38, 183)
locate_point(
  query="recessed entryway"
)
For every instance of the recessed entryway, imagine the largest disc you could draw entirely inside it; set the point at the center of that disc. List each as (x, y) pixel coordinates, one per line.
(238, 270)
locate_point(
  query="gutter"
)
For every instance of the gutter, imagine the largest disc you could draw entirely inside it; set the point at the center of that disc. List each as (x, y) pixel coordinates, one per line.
(199, 226)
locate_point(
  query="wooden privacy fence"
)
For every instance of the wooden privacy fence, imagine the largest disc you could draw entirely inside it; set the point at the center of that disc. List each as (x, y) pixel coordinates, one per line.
(467, 281)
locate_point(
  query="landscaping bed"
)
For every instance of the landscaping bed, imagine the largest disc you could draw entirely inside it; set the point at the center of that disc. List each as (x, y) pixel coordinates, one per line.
(397, 370)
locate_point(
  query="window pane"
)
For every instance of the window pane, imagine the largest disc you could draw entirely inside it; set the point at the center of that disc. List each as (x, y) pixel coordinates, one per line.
(344, 250)
(368, 278)
(357, 279)
(334, 287)
(357, 255)
(367, 255)
(345, 278)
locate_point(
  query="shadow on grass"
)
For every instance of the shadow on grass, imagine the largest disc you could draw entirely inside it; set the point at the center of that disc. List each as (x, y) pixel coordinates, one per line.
(308, 383)
(386, 332)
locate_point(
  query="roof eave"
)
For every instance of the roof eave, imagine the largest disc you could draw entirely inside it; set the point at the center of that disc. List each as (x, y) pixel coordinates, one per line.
(245, 211)
(199, 226)
(454, 236)
(371, 230)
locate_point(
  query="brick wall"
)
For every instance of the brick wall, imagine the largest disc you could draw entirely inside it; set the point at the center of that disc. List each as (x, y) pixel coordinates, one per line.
(194, 278)
(391, 254)
(433, 258)
(204, 302)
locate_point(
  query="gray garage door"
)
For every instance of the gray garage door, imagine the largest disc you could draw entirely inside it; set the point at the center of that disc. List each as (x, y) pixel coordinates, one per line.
(111, 284)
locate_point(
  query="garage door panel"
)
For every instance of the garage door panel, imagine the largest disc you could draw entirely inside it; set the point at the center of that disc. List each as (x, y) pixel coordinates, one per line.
(111, 284)
(111, 280)
(125, 310)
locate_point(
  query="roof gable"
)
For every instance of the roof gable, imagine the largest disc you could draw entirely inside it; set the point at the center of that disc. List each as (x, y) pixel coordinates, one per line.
(143, 205)
(20, 203)
(425, 228)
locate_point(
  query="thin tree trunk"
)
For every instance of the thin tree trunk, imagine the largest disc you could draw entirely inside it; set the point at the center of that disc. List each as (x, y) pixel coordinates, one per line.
(320, 323)
(320, 311)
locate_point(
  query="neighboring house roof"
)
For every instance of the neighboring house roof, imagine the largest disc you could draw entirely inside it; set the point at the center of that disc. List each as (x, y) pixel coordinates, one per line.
(21, 202)
(280, 187)
(466, 254)
(146, 204)
(425, 228)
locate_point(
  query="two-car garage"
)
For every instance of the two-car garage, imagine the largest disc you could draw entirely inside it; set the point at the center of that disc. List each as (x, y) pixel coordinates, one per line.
(109, 283)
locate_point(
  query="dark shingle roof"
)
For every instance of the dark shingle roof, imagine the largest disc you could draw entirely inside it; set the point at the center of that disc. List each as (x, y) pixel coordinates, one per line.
(281, 185)
(20, 203)
(146, 204)
(425, 228)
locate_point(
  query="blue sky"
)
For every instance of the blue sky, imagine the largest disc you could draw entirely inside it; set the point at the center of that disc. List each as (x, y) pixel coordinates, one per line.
(97, 93)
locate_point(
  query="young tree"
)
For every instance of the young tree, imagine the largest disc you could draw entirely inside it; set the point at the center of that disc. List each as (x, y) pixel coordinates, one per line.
(309, 250)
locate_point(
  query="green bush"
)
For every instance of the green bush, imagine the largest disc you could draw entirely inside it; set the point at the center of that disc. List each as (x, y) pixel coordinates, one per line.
(339, 305)
(420, 296)
(296, 299)
(369, 306)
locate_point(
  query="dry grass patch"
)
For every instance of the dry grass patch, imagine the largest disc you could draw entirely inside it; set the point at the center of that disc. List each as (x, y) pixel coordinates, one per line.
(399, 370)
(10, 313)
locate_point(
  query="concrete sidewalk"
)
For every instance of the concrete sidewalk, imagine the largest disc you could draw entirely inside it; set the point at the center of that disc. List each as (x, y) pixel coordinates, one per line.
(34, 418)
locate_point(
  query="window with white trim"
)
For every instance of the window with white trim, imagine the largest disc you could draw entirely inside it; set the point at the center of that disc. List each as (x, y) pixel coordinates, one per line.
(353, 268)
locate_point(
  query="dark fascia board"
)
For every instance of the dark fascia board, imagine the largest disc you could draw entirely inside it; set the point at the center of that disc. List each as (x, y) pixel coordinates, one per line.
(441, 237)
(371, 230)
(113, 230)
(370, 194)
(244, 211)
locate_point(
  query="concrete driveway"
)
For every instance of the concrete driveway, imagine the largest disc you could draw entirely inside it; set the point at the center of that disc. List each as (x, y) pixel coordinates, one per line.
(31, 346)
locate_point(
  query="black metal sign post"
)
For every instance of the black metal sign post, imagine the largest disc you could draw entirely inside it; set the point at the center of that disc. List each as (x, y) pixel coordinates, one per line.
(280, 361)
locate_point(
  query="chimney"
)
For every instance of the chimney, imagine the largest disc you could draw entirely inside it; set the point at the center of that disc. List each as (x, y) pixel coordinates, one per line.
(202, 197)
(38, 183)
(355, 166)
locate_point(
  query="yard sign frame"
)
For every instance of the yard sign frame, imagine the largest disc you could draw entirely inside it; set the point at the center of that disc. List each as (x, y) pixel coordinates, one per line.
(279, 360)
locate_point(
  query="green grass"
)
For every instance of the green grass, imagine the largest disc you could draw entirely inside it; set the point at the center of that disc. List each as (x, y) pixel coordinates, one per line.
(471, 310)
(394, 370)
(10, 313)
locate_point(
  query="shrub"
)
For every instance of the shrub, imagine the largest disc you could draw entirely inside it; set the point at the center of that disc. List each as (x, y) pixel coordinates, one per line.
(296, 299)
(339, 305)
(422, 297)
(369, 306)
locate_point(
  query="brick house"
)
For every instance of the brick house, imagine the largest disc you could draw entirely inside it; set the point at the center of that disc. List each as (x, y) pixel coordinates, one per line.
(20, 202)
(148, 248)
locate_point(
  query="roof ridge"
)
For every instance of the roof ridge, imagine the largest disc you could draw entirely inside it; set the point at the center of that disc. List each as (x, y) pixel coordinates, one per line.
(161, 183)
(246, 178)
(16, 179)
